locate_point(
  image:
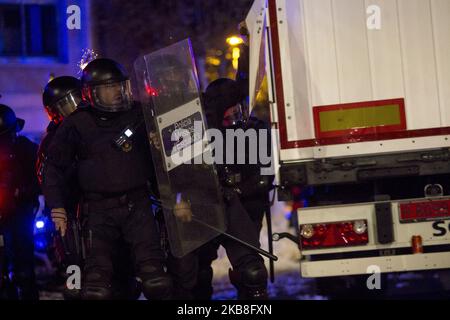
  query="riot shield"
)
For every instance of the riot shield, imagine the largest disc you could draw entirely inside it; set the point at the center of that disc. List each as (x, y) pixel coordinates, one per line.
(169, 92)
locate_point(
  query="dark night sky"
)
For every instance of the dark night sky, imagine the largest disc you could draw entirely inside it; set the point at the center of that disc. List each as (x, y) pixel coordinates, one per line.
(123, 30)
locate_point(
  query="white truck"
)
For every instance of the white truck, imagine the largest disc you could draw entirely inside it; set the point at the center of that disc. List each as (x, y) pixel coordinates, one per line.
(359, 92)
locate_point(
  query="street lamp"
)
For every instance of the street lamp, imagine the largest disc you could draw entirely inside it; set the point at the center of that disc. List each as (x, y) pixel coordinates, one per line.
(235, 41)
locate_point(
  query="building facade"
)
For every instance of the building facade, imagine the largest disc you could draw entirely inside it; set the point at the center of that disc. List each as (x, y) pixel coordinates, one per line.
(39, 39)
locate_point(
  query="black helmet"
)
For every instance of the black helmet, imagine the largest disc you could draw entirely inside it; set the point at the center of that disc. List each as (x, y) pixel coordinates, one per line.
(221, 95)
(61, 97)
(106, 86)
(9, 123)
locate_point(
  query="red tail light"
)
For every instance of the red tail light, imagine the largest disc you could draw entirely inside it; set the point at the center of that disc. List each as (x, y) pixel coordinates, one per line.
(331, 235)
(425, 210)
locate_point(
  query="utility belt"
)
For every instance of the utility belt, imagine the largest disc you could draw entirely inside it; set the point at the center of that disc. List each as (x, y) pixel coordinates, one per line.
(245, 190)
(100, 201)
(92, 202)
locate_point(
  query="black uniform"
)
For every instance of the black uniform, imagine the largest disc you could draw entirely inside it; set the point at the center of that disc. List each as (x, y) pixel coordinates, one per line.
(62, 96)
(244, 180)
(114, 184)
(19, 202)
(43, 148)
(193, 273)
(248, 264)
(252, 192)
(71, 193)
(252, 187)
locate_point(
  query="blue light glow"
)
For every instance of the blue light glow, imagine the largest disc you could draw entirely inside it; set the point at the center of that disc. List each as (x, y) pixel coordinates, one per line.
(40, 224)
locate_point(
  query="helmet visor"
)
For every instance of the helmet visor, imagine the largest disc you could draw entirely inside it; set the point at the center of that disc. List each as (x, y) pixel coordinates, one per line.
(112, 97)
(233, 116)
(65, 106)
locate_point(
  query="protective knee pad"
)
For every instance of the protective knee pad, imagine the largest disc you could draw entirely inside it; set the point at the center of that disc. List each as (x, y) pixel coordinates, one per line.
(157, 287)
(250, 281)
(96, 293)
(96, 287)
(254, 274)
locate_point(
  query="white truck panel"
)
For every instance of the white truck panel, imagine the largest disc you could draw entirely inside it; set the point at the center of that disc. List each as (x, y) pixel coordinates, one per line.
(385, 53)
(349, 19)
(321, 50)
(419, 64)
(330, 56)
(401, 263)
(294, 154)
(403, 232)
(365, 148)
(381, 147)
(441, 25)
(293, 47)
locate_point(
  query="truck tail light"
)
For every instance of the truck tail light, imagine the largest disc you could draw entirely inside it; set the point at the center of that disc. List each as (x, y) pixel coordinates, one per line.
(424, 210)
(336, 234)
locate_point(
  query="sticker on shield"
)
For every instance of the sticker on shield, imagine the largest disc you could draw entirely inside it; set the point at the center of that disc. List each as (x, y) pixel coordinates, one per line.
(182, 134)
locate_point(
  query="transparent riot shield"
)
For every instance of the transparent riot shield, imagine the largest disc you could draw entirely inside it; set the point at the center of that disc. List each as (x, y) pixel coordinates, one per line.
(175, 121)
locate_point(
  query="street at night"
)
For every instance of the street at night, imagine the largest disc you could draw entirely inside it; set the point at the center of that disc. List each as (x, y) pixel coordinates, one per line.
(247, 150)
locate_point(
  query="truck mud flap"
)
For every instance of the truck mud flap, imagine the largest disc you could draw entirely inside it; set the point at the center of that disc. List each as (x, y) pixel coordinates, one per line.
(385, 229)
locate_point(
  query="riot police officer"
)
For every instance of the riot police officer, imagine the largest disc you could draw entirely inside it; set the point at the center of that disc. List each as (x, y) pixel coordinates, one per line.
(173, 87)
(114, 182)
(61, 97)
(224, 104)
(224, 110)
(19, 192)
(249, 274)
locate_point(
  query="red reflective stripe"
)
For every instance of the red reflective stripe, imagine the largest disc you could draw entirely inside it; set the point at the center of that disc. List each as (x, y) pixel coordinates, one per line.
(279, 90)
(362, 104)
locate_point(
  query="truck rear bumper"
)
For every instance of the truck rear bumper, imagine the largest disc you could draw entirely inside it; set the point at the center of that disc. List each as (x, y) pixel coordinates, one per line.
(400, 263)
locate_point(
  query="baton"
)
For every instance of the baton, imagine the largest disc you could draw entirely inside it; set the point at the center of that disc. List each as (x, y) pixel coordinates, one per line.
(248, 245)
(270, 243)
